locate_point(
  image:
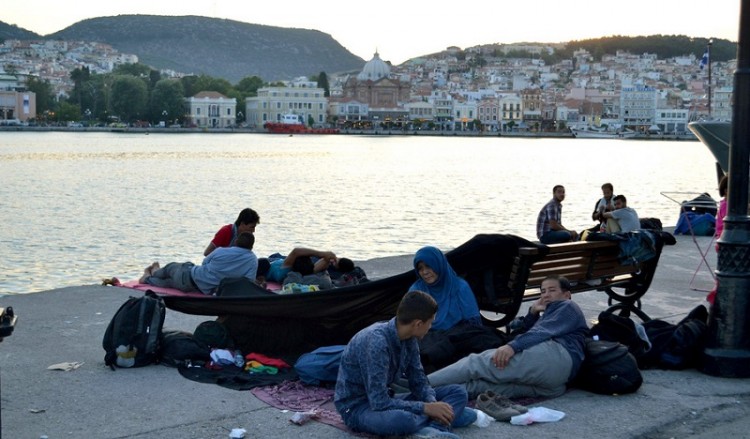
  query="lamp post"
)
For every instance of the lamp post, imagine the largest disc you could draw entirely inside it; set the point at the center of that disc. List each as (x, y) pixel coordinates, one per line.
(727, 352)
(708, 51)
(88, 116)
(164, 114)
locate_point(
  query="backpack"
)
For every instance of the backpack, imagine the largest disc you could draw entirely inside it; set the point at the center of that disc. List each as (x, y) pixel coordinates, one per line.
(180, 348)
(677, 346)
(320, 366)
(613, 327)
(134, 333)
(214, 335)
(608, 369)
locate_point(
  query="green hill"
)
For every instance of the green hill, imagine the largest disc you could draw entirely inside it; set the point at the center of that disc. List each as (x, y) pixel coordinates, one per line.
(221, 48)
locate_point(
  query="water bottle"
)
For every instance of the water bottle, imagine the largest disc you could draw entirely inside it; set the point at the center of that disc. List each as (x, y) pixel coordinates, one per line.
(239, 360)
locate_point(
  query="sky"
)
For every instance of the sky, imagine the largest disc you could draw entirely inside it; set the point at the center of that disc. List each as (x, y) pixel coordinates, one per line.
(403, 30)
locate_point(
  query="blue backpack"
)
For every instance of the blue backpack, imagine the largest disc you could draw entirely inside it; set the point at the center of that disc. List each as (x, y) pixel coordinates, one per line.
(321, 366)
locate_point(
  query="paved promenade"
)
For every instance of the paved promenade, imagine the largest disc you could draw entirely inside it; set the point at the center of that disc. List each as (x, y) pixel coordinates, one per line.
(67, 325)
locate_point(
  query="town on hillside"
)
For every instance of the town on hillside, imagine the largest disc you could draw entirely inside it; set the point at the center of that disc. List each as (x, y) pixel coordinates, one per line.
(479, 89)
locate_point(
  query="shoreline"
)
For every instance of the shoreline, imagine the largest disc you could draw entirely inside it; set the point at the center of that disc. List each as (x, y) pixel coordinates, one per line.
(350, 132)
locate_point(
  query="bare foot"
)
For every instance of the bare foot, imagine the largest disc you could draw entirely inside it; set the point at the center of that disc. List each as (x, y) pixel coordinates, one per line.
(146, 274)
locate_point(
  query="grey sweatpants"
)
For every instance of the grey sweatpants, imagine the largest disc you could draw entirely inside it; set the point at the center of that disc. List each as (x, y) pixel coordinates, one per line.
(540, 371)
(174, 275)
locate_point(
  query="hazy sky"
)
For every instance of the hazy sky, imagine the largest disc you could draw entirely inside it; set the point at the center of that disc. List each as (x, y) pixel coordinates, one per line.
(408, 28)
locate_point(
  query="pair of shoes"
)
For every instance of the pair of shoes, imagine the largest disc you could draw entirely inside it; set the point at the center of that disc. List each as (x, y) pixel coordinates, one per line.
(432, 432)
(506, 401)
(498, 409)
(113, 281)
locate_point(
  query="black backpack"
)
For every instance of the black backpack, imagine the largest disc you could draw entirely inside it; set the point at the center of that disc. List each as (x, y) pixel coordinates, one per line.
(134, 333)
(608, 369)
(180, 348)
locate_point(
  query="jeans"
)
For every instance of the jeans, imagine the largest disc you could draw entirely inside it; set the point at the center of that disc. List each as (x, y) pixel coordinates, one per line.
(398, 422)
(555, 237)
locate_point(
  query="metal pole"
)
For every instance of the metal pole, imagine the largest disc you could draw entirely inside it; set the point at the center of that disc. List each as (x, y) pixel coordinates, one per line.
(727, 352)
(708, 51)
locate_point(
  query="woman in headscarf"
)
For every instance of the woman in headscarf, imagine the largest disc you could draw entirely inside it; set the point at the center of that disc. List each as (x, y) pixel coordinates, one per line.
(457, 329)
(456, 301)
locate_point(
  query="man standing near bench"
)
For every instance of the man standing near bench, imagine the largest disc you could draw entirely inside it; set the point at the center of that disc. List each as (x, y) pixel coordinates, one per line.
(549, 228)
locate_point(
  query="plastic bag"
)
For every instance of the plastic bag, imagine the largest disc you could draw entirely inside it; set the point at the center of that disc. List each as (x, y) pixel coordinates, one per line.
(483, 419)
(537, 414)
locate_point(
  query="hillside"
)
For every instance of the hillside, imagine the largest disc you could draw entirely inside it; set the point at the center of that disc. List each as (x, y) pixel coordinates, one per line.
(13, 32)
(221, 48)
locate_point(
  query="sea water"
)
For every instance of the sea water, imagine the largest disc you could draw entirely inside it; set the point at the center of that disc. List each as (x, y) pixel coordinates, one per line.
(79, 207)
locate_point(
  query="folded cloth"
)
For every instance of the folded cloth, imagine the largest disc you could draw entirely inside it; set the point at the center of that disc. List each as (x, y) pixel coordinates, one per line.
(267, 361)
(222, 357)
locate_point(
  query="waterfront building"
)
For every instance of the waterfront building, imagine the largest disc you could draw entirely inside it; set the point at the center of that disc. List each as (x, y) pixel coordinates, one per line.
(721, 103)
(512, 111)
(672, 121)
(300, 97)
(17, 106)
(638, 107)
(210, 109)
(464, 114)
(374, 86)
(347, 113)
(531, 102)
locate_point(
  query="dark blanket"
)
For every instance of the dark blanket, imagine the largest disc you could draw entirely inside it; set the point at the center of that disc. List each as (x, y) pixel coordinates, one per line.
(293, 324)
(233, 377)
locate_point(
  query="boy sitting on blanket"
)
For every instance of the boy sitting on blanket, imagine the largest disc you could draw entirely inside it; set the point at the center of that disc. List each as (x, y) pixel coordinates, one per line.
(382, 353)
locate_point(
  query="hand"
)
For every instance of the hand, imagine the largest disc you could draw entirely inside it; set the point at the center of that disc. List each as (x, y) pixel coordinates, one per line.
(538, 306)
(441, 412)
(573, 234)
(502, 356)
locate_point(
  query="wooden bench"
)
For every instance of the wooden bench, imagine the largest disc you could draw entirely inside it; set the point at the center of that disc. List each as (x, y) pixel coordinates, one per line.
(589, 265)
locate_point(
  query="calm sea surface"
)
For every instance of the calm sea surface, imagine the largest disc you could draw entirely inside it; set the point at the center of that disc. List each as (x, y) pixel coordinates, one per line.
(78, 207)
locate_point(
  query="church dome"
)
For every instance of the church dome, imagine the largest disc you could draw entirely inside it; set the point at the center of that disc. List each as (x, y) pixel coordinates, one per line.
(375, 69)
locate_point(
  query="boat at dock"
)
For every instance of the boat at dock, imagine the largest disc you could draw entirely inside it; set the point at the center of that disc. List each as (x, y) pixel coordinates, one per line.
(592, 133)
(291, 124)
(716, 135)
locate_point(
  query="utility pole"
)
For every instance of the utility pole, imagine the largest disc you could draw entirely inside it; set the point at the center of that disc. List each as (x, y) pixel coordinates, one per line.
(727, 352)
(708, 51)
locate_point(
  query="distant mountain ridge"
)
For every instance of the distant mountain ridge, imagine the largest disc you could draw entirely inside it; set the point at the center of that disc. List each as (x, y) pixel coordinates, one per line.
(217, 47)
(233, 50)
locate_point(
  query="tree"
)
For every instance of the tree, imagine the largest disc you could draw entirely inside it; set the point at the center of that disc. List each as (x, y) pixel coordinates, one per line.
(249, 85)
(137, 69)
(68, 112)
(129, 98)
(43, 91)
(79, 76)
(310, 120)
(323, 83)
(167, 95)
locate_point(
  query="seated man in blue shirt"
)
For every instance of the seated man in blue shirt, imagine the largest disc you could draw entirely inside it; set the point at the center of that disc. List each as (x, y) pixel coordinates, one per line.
(224, 262)
(537, 363)
(382, 353)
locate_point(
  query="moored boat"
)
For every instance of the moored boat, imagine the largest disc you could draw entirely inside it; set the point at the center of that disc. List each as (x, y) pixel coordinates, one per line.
(716, 135)
(601, 134)
(291, 124)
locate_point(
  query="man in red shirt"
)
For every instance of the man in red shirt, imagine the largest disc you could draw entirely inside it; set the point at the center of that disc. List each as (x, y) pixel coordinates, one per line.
(225, 237)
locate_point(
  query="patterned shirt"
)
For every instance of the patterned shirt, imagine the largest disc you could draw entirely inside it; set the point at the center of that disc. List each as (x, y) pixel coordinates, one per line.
(374, 359)
(562, 322)
(550, 211)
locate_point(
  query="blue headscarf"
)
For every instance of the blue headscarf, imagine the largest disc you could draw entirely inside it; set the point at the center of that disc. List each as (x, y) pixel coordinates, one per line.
(456, 301)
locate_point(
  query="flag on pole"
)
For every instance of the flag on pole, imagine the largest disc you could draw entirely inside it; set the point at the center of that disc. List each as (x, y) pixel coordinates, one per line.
(704, 60)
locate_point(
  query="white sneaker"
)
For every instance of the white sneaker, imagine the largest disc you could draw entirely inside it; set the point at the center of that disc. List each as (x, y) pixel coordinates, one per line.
(432, 432)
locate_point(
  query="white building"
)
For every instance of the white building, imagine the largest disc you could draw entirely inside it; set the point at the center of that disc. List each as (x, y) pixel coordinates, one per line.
(638, 107)
(210, 109)
(302, 98)
(672, 121)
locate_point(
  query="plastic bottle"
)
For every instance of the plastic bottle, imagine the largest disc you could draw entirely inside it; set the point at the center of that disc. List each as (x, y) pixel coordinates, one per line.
(239, 360)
